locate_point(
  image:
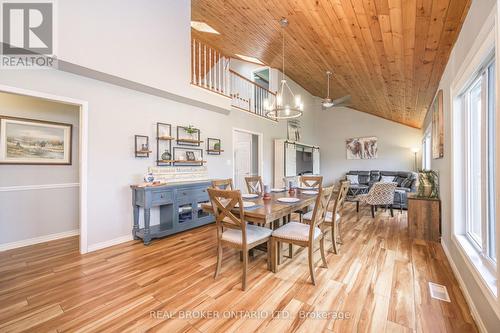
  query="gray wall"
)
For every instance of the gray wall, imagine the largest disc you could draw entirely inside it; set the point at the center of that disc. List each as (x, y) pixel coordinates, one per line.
(336, 125)
(26, 214)
(478, 13)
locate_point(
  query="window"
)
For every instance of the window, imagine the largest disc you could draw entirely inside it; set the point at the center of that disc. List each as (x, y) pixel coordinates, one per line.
(478, 142)
(427, 149)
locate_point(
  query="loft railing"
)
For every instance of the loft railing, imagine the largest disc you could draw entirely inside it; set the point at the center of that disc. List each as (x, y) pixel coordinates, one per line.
(209, 68)
(249, 96)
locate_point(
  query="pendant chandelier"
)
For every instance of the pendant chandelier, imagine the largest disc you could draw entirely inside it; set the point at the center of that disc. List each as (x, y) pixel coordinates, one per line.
(286, 105)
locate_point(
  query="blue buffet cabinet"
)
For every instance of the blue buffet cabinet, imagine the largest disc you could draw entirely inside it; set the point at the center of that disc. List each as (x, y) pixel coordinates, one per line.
(179, 204)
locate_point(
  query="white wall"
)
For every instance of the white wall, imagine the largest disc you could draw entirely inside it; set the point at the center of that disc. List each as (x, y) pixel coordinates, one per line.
(336, 125)
(147, 42)
(478, 13)
(26, 214)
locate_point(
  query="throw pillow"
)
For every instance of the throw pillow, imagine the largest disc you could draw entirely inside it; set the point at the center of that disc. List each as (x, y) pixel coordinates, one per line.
(387, 179)
(353, 179)
(399, 180)
(408, 182)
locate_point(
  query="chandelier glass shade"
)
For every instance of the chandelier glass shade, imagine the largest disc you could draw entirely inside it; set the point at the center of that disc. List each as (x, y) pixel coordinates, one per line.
(286, 104)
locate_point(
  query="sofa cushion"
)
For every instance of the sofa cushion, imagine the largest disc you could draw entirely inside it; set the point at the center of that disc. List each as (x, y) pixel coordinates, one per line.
(387, 179)
(354, 179)
(363, 176)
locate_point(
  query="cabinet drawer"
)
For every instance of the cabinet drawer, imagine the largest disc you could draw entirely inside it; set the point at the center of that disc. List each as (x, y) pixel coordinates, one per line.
(192, 194)
(162, 197)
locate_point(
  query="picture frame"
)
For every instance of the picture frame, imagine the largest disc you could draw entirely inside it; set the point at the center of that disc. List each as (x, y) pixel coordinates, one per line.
(190, 156)
(364, 148)
(141, 144)
(437, 126)
(187, 156)
(188, 136)
(293, 130)
(35, 142)
(214, 146)
(164, 144)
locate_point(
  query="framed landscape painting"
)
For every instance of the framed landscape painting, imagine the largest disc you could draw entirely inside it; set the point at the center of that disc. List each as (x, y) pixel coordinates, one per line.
(362, 148)
(29, 141)
(437, 126)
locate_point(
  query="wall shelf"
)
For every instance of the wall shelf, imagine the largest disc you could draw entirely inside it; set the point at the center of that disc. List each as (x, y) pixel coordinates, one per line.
(163, 144)
(192, 141)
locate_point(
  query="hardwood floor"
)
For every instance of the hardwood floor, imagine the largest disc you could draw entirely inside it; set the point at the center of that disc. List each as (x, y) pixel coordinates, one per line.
(378, 282)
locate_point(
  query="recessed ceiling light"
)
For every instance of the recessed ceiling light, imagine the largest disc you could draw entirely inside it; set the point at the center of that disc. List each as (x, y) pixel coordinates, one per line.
(250, 59)
(203, 27)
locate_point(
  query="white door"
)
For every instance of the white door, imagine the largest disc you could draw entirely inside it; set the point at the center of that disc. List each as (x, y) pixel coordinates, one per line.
(242, 159)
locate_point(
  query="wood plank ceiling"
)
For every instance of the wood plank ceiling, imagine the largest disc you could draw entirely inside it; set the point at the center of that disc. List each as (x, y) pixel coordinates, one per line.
(388, 54)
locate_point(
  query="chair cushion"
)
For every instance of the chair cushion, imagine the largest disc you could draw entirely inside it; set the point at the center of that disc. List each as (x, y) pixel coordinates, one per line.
(296, 231)
(254, 234)
(328, 217)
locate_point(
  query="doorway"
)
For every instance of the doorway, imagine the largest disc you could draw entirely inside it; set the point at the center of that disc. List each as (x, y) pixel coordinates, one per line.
(80, 140)
(247, 156)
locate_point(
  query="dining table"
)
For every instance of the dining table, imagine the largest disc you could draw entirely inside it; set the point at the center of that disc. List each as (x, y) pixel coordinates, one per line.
(268, 211)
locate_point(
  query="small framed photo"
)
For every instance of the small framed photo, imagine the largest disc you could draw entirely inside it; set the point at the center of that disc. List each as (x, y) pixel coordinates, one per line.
(30, 141)
(190, 156)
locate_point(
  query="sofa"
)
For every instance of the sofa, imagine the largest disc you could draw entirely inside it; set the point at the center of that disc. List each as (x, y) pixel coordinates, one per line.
(406, 180)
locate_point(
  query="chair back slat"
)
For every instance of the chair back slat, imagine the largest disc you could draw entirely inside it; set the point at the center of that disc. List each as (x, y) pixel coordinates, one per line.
(293, 179)
(341, 196)
(255, 185)
(224, 203)
(320, 208)
(223, 184)
(311, 181)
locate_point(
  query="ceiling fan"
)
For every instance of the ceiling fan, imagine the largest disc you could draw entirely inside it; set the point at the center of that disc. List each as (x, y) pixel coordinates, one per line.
(329, 103)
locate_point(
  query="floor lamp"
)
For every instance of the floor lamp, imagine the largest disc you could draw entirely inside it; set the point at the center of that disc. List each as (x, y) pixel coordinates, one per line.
(415, 152)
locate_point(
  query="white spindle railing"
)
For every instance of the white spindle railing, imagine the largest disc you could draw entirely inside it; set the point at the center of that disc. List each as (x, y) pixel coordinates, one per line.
(209, 68)
(249, 96)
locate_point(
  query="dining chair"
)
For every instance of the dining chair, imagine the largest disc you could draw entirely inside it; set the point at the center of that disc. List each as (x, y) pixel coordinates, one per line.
(222, 184)
(255, 185)
(293, 179)
(305, 235)
(233, 231)
(380, 194)
(334, 224)
(311, 181)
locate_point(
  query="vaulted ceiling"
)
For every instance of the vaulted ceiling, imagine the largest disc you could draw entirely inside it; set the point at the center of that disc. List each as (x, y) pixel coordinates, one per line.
(388, 54)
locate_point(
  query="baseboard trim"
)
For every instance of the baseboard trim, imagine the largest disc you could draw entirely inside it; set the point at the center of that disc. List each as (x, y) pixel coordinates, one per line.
(108, 243)
(468, 299)
(37, 240)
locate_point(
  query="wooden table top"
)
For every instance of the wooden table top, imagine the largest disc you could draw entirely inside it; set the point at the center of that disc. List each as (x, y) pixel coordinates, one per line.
(272, 209)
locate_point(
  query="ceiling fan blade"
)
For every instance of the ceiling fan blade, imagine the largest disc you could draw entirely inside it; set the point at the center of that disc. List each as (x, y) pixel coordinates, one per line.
(342, 101)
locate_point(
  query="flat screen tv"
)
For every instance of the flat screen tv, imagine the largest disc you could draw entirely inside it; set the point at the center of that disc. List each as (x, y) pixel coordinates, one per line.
(304, 162)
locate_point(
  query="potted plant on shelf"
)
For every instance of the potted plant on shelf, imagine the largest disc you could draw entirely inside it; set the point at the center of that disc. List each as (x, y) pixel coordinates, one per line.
(191, 130)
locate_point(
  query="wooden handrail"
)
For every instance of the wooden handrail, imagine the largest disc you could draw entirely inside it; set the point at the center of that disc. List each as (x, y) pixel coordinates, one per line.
(248, 80)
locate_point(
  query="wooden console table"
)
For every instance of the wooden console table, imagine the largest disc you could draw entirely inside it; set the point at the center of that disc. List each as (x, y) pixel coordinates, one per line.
(179, 208)
(424, 218)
